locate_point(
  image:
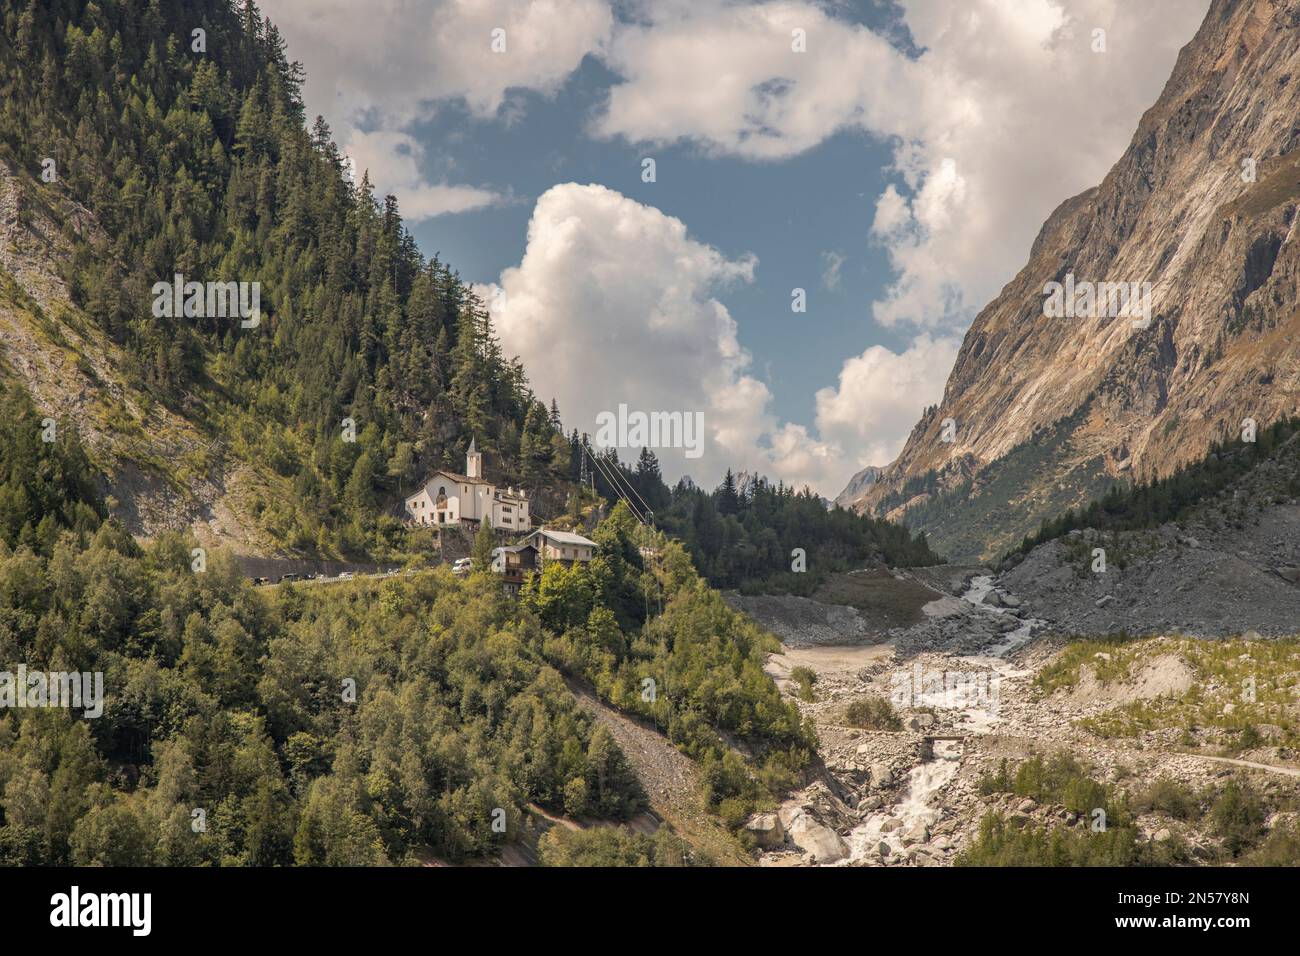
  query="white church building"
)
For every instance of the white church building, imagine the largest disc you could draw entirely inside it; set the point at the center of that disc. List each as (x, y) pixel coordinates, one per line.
(447, 498)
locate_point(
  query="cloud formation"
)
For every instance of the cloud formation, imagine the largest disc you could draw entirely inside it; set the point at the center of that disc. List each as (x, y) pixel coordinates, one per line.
(375, 68)
(880, 395)
(395, 60)
(614, 303)
(1006, 111)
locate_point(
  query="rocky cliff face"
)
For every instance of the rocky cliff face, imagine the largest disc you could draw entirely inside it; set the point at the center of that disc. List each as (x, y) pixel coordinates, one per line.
(161, 473)
(1045, 412)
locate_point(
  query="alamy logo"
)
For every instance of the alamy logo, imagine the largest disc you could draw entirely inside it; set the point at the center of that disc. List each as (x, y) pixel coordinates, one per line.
(626, 429)
(1092, 300)
(208, 300)
(83, 690)
(134, 910)
(947, 690)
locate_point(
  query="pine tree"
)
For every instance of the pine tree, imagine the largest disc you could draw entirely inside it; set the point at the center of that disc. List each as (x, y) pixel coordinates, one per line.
(576, 461)
(535, 444)
(728, 500)
(649, 480)
(484, 542)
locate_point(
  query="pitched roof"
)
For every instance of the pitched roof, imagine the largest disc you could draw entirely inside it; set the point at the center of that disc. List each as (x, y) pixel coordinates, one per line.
(564, 537)
(456, 477)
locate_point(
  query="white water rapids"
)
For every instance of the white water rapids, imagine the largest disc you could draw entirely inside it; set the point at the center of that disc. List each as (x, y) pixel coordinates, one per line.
(926, 779)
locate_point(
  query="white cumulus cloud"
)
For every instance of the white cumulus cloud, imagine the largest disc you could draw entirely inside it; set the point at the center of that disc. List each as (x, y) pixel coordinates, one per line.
(614, 303)
(880, 395)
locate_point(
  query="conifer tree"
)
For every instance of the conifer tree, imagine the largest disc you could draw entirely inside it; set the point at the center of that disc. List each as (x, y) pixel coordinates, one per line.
(484, 541)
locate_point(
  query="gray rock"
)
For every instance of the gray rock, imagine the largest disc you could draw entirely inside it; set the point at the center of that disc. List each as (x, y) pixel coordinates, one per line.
(766, 830)
(917, 833)
(817, 839)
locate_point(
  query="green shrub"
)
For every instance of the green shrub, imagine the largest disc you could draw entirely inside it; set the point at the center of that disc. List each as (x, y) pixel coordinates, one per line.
(1169, 797)
(805, 677)
(872, 713)
(1237, 817)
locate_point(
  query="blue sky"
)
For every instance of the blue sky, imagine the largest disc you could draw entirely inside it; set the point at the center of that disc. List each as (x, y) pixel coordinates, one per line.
(919, 143)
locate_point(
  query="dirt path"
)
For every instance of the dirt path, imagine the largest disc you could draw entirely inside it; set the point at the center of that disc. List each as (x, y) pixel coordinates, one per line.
(669, 778)
(1272, 768)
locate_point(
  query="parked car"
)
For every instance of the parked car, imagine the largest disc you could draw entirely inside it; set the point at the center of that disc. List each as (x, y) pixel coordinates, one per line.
(291, 576)
(345, 575)
(462, 566)
(258, 582)
(309, 576)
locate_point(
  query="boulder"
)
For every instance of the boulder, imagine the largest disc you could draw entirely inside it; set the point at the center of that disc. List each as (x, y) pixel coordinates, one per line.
(881, 776)
(890, 825)
(766, 830)
(921, 856)
(1010, 600)
(1289, 573)
(816, 839)
(917, 833)
(1104, 600)
(993, 599)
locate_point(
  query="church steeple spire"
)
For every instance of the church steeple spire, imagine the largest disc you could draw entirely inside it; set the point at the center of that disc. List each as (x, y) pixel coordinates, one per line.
(473, 460)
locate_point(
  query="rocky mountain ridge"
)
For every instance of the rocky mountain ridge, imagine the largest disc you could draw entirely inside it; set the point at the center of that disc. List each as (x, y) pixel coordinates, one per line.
(1202, 205)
